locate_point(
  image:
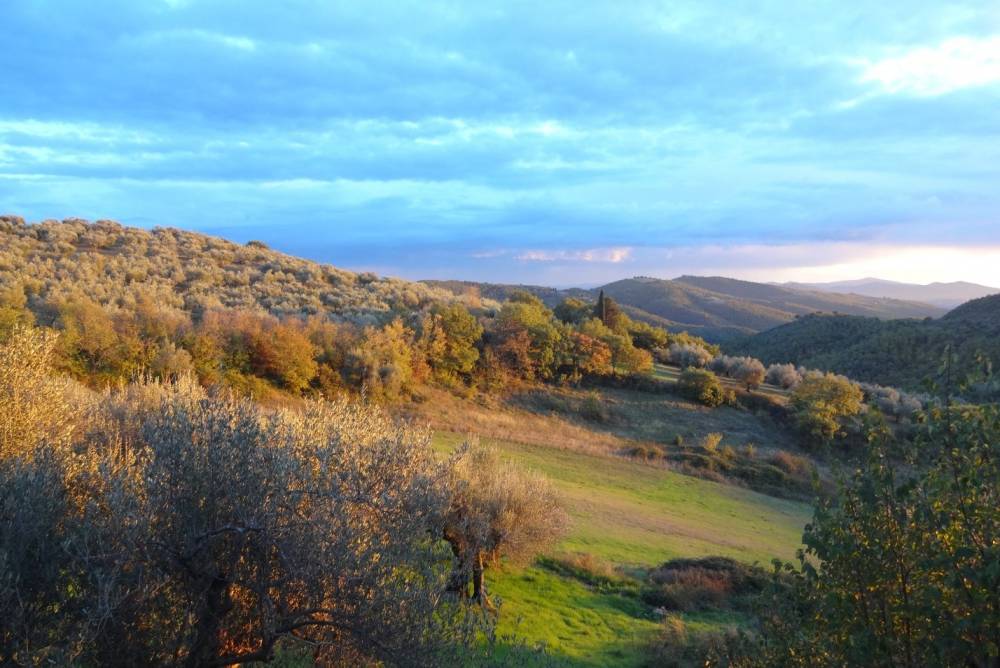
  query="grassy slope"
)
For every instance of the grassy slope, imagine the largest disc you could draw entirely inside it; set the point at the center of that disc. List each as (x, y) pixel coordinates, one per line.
(672, 374)
(634, 516)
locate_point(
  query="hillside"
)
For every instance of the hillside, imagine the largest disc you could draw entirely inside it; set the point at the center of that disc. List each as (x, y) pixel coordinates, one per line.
(627, 518)
(903, 353)
(715, 308)
(114, 265)
(945, 295)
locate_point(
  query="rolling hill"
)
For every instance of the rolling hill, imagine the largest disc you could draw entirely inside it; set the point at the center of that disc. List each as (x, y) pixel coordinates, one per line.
(945, 295)
(904, 353)
(715, 308)
(115, 265)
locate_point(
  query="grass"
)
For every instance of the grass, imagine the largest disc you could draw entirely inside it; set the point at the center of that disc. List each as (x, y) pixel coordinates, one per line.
(672, 374)
(636, 417)
(634, 516)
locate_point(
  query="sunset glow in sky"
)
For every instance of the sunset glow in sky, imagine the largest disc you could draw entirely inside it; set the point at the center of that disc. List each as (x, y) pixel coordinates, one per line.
(559, 143)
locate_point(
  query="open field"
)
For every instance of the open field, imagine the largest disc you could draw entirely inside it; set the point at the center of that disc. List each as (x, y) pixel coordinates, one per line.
(632, 516)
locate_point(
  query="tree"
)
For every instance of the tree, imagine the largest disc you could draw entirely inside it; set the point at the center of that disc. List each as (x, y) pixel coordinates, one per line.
(573, 311)
(496, 511)
(783, 375)
(383, 361)
(703, 386)
(646, 336)
(687, 354)
(526, 314)
(750, 372)
(821, 400)
(282, 353)
(629, 360)
(608, 312)
(90, 347)
(450, 337)
(184, 529)
(900, 567)
(586, 356)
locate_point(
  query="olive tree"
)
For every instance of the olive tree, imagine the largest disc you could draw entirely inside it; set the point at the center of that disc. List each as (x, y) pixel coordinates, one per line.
(241, 529)
(688, 354)
(497, 511)
(785, 376)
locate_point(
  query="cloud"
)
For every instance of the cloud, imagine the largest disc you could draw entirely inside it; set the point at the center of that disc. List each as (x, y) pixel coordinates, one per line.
(413, 135)
(609, 255)
(954, 64)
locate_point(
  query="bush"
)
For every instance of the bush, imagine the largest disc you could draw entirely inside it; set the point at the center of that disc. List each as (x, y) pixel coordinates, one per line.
(593, 408)
(702, 584)
(711, 442)
(791, 464)
(704, 387)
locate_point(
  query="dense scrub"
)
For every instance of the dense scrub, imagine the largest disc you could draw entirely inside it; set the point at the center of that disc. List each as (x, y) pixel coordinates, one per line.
(115, 266)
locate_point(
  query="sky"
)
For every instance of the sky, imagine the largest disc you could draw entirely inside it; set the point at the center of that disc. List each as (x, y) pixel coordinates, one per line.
(559, 143)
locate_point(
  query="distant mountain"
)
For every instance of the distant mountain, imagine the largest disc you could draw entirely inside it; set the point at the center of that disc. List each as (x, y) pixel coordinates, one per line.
(904, 353)
(945, 295)
(714, 307)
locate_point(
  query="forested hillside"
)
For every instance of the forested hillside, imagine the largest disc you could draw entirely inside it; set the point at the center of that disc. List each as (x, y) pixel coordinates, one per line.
(958, 350)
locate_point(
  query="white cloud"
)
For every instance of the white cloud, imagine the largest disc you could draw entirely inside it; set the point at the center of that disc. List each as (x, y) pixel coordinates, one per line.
(614, 255)
(956, 63)
(238, 42)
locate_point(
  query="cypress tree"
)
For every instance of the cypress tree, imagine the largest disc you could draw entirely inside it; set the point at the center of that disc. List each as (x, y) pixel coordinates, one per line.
(601, 310)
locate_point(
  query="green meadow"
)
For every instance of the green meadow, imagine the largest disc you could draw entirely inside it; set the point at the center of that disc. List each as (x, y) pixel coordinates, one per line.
(631, 516)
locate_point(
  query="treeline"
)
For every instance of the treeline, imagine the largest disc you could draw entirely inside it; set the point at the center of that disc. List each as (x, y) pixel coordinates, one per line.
(954, 355)
(162, 524)
(824, 406)
(260, 354)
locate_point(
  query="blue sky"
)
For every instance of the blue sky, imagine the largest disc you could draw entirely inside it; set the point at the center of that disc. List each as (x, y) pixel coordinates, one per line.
(558, 142)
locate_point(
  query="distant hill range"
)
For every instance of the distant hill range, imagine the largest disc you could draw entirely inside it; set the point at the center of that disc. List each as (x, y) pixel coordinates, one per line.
(904, 353)
(945, 295)
(714, 307)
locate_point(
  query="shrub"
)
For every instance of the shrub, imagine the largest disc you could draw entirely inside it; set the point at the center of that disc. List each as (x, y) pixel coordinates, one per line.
(711, 442)
(700, 584)
(33, 404)
(646, 452)
(791, 464)
(702, 386)
(593, 408)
